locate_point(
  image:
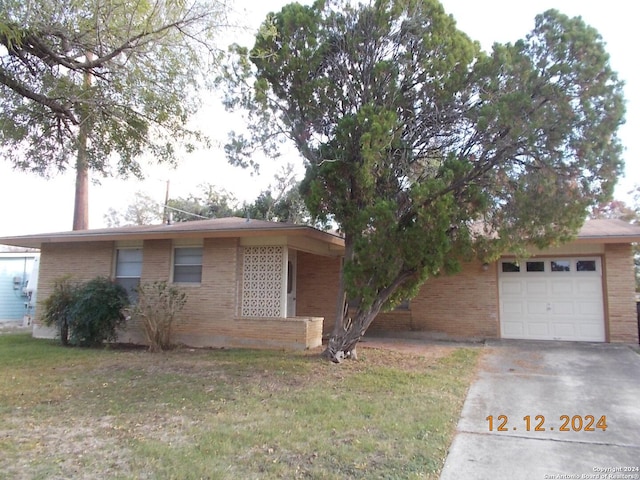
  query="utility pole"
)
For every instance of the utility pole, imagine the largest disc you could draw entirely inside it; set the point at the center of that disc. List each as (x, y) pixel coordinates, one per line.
(165, 210)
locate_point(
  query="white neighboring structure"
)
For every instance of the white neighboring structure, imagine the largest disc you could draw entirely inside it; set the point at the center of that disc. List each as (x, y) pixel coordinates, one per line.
(18, 285)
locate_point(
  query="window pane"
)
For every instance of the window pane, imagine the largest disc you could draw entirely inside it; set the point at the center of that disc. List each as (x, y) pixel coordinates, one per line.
(586, 265)
(188, 256)
(129, 263)
(561, 266)
(130, 255)
(129, 284)
(509, 267)
(129, 270)
(187, 266)
(535, 266)
(404, 305)
(187, 273)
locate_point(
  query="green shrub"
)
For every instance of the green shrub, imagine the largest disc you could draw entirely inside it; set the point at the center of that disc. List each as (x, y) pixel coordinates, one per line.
(57, 307)
(157, 308)
(86, 314)
(96, 312)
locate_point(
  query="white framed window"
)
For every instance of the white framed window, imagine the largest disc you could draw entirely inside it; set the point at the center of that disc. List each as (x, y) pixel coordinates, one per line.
(128, 269)
(510, 267)
(187, 265)
(586, 265)
(560, 265)
(535, 266)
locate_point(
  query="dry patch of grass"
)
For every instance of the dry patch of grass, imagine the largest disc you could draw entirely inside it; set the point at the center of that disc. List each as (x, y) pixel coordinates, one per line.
(93, 414)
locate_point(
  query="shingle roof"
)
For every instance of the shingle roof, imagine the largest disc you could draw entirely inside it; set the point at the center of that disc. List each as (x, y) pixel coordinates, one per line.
(609, 231)
(214, 228)
(602, 231)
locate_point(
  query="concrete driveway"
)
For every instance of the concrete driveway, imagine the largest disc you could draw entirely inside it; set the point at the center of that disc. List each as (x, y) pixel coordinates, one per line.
(566, 383)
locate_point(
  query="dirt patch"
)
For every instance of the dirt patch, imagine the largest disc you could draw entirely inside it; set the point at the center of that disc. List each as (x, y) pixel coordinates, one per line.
(424, 349)
(512, 360)
(13, 327)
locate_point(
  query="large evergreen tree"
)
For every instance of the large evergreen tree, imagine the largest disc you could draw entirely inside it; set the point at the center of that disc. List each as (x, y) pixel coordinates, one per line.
(424, 149)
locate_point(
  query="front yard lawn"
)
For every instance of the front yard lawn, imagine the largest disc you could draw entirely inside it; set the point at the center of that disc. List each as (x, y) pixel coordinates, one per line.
(218, 414)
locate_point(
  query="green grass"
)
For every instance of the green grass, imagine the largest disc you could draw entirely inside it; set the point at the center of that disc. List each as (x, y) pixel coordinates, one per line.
(218, 414)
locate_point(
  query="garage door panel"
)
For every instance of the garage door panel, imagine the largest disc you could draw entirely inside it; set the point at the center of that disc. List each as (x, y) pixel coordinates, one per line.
(512, 308)
(553, 305)
(589, 309)
(513, 329)
(511, 287)
(589, 287)
(563, 308)
(562, 331)
(537, 329)
(561, 287)
(536, 287)
(537, 308)
(591, 332)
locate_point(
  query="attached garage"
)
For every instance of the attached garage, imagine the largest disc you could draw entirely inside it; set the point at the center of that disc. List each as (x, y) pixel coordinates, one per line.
(583, 290)
(552, 299)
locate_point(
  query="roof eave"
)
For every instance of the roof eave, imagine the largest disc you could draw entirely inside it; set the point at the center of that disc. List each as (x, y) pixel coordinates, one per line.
(608, 239)
(36, 241)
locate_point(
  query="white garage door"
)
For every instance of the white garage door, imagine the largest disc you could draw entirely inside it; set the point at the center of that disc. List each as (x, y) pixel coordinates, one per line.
(552, 299)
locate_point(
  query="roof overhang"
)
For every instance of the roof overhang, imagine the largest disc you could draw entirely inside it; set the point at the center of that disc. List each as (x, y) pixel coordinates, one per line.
(609, 239)
(608, 231)
(605, 231)
(219, 228)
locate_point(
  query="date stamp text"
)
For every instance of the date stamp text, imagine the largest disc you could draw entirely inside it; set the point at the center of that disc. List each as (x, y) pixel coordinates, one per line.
(539, 423)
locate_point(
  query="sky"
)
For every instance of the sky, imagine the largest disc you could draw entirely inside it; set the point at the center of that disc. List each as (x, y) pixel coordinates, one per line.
(31, 204)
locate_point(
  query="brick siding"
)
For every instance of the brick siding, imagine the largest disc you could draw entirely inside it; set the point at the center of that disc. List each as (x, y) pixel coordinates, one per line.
(464, 305)
(620, 294)
(317, 287)
(210, 315)
(81, 262)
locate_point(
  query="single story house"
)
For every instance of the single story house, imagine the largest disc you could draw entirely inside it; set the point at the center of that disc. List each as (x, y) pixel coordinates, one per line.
(18, 274)
(252, 283)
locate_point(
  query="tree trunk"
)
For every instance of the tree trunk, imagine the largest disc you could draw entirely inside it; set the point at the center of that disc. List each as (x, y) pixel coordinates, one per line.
(81, 202)
(64, 333)
(347, 333)
(347, 330)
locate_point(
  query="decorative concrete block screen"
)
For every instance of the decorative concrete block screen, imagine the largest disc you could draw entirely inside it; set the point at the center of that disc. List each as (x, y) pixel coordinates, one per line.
(262, 282)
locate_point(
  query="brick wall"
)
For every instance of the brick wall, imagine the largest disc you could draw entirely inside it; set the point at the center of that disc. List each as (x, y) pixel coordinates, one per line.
(394, 321)
(209, 317)
(81, 262)
(156, 260)
(317, 287)
(156, 267)
(210, 306)
(461, 305)
(297, 333)
(620, 294)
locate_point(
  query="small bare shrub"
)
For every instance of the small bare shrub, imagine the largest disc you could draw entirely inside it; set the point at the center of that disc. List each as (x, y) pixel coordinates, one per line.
(157, 309)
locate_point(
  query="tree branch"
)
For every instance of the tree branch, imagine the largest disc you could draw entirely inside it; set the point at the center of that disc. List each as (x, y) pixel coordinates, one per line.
(59, 109)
